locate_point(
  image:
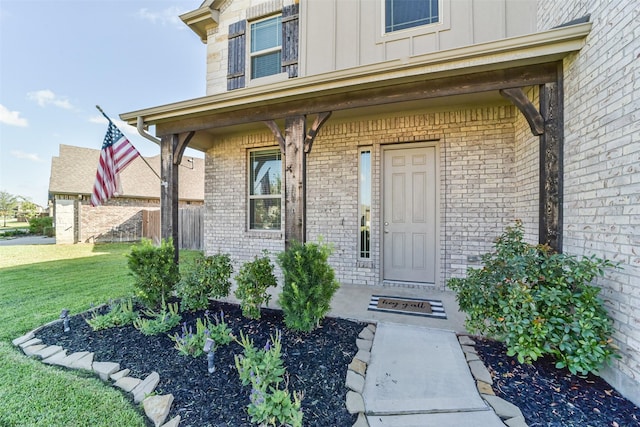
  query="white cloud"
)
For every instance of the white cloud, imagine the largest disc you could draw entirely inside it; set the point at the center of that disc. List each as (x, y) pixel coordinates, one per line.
(168, 16)
(12, 117)
(46, 97)
(27, 156)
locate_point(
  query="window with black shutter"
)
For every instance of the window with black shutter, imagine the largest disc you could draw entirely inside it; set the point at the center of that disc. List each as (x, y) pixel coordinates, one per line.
(237, 53)
(272, 47)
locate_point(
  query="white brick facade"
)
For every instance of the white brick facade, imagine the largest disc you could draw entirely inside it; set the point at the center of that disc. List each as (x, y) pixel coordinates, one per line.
(602, 162)
(482, 171)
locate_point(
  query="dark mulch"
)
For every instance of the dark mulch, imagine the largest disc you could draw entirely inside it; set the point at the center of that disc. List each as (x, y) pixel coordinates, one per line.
(553, 397)
(316, 362)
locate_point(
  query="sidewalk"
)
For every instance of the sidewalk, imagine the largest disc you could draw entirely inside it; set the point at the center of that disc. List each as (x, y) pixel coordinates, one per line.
(27, 240)
(419, 373)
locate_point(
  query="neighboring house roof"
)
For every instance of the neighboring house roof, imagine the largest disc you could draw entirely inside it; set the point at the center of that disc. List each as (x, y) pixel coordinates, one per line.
(74, 172)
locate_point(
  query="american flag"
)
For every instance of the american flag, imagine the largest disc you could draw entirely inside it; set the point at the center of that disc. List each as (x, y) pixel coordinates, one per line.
(116, 154)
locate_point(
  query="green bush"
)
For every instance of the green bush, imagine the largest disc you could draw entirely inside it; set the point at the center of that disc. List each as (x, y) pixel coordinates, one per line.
(157, 323)
(190, 343)
(539, 303)
(154, 270)
(309, 285)
(253, 279)
(208, 277)
(264, 370)
(119, 314)
(41, 225)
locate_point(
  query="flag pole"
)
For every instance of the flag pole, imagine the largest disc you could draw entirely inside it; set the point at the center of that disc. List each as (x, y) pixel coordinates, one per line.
(143, 159)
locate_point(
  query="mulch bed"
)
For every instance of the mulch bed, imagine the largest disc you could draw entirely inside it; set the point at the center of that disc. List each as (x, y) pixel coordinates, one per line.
(316, 362)
(554, 397)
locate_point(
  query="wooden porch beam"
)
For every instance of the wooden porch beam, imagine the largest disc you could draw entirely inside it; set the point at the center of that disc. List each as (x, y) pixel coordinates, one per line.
(317, 103)
(551, 164)
(271, 124)
(518, 98)
(320, 120)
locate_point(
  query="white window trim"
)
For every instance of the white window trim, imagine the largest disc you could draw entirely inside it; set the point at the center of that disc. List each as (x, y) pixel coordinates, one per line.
(250, 55)
(361, 150)
(254, 197)
(444, 8)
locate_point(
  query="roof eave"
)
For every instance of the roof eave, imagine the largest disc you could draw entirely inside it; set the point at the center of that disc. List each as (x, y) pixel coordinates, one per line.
(536, 48)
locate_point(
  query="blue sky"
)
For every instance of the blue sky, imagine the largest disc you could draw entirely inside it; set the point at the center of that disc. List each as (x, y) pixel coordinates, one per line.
(58, 59)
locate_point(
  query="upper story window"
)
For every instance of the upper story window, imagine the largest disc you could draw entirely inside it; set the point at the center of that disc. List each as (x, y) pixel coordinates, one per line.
(403, 14)
(266, 47)
(263, 50)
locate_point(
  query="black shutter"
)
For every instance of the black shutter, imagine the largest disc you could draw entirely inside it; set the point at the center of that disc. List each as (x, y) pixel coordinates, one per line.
(290, 40)
(237, 53)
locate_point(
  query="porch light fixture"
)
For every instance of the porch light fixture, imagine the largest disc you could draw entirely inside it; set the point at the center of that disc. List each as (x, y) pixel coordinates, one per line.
(64, 315)
(209, 348)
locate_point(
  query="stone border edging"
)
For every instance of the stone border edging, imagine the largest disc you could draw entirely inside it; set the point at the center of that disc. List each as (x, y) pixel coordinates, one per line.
(509, 413)
(356, 373)
(156, 407)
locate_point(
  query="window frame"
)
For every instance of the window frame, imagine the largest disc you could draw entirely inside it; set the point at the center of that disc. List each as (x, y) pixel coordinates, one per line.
(251, 197)
(444, 13)
(361, 151)
(251, 55)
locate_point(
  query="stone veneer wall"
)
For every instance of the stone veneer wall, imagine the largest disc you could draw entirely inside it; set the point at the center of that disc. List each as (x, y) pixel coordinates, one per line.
(479, 182)
(602, 162)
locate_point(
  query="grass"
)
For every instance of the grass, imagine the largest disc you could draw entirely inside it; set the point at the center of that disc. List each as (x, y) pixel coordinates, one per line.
(36, 283)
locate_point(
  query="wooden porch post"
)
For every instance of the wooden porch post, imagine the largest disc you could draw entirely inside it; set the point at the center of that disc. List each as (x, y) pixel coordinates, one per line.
(551, 163)
(295, 146)
(171, 151)
(294, 180)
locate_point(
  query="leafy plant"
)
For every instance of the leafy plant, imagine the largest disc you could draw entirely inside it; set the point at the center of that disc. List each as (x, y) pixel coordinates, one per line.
(207, 278)
(119, 314)
(539, 302)
(41, 225)
(189, 343)
(163, 321)
(309, 285)
(253, 279)
(263, 369)
(154, 270)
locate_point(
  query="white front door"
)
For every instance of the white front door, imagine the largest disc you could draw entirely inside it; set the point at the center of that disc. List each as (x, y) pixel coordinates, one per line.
(409, 214)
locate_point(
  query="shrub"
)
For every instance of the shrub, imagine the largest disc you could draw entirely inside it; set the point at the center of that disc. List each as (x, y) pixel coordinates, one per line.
(41, 225)
(119, 314)
(309, 285)
(154, 270)
(157, 323)
(263, 369)
(538, 302)
(207, 278)
(253, 279)
(191, 343)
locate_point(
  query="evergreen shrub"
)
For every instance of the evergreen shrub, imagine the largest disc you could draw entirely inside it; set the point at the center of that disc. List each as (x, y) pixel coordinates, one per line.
(539, 302)
(309, 285)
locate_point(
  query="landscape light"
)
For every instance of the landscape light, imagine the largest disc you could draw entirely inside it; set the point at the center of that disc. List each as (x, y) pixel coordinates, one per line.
(65, 319)
(209, 348)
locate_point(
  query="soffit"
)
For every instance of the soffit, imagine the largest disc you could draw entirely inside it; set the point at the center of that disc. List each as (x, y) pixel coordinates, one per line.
(360, 87)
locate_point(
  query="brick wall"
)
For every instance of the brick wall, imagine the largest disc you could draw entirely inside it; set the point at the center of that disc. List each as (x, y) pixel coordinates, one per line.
(602, 162)
(482, 171)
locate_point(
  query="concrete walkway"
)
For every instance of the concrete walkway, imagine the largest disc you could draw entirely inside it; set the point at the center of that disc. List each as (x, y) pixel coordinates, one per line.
(420, 377)
(419, 373)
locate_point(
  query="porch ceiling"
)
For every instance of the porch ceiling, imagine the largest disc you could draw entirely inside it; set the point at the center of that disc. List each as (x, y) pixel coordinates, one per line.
(470, 75)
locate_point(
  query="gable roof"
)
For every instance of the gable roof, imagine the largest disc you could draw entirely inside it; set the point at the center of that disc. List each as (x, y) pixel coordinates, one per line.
(74, 172)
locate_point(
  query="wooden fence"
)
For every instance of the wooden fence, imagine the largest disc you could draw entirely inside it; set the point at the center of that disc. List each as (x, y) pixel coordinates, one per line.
(190, 227)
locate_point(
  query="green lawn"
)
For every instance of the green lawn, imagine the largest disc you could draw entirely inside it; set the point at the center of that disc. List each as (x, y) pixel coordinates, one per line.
(36, 283)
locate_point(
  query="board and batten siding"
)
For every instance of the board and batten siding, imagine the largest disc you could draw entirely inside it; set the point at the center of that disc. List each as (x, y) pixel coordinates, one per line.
(343, 34)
